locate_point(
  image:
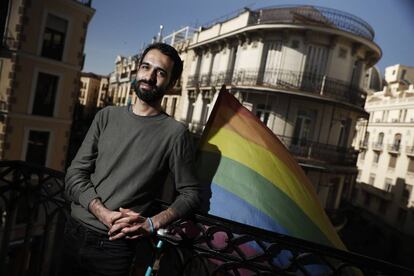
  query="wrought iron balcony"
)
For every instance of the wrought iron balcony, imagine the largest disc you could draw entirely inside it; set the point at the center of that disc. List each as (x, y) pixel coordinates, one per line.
(295, 81)
(377, 146)
(409, 150)
(314, 15)
(363, 144)
(322, 152)
(34, 209)
(393, 148)
(309, 15)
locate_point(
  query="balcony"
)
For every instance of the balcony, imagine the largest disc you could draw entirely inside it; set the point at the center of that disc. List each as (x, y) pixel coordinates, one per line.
(312, 15)
(309, 15)
(295, 81)
(393, 148)
(363, 144)
(34, 211)
(322, 152)
(377, 146)
(409, 150)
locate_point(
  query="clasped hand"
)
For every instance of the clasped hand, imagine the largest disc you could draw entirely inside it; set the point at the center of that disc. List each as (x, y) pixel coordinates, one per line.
(129, 225)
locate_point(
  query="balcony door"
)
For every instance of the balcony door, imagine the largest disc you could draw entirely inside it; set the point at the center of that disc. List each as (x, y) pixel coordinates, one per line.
(271, 70)
(315, 67)
(305, 123)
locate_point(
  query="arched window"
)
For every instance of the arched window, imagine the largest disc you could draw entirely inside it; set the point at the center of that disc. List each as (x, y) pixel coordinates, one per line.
(397, 142)
(380, 140)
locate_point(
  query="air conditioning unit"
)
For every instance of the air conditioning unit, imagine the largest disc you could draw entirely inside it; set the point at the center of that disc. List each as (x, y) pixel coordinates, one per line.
(395, 120)
(377, 120)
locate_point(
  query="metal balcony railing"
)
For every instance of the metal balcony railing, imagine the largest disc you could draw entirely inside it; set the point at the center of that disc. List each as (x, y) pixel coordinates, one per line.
(314, 15)
(309, 15)
(297, 81)
(377, 146)
(409, 150)
(363, 144)
(393, 148)
(322, 152)
(33, 208)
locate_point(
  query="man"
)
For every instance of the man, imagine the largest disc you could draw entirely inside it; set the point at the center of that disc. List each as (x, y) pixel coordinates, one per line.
(120, 168)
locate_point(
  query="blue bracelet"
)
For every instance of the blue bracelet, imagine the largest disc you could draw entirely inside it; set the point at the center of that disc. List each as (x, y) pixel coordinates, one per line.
(151, 224)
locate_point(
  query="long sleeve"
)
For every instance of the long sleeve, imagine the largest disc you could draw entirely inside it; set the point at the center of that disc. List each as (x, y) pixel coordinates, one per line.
(186, 184)
(78, 185)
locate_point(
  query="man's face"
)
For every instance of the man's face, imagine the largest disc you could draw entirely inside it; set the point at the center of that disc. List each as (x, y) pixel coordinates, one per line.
(154, 74)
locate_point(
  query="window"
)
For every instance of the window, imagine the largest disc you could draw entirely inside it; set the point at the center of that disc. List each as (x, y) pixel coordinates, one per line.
(376, 157)
(44, 101)
(304, 127)
(397, 142)
(164, 103)
(54, 37)
(410, 165)
(173, 106)
(342, 53)
(371, 180)
(380, 140)
(388, 184)
(393, 161)
(37, 145)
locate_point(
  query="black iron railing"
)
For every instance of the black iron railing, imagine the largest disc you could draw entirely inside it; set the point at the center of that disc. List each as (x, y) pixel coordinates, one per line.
(314, 15)
(33, 212)
(394, 148)
(318, 85)
(31, 207)
(304, 148)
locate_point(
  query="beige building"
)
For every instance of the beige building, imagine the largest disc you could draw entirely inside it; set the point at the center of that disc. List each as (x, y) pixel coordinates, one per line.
(301, 70)
(386, 161)
(92, 86)
(41, 57)
(119, 87)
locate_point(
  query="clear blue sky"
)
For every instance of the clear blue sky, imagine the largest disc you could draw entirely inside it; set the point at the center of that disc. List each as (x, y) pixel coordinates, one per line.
(123, 27)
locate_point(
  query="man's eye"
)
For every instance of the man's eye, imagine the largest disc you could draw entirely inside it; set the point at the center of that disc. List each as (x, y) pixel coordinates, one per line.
(162, 74)
(144, 66)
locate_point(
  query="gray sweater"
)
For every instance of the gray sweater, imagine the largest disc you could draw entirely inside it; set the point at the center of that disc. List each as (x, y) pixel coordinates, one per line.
(124, 160)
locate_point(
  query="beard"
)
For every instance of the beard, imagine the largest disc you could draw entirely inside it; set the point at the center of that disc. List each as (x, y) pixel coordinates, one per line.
(149, 96)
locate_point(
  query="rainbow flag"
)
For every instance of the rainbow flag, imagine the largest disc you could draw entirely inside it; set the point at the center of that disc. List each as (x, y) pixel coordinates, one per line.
(255, 180)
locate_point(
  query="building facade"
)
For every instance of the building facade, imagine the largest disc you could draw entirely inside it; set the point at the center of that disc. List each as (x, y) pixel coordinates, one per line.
(41, 57)
(386, 164)
(301, 70)
(93, 89)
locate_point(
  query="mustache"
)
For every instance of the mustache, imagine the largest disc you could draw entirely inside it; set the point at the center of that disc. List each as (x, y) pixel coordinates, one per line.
(149, 82)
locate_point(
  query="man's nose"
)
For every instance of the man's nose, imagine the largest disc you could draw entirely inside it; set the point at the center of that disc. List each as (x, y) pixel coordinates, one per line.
(152, 76)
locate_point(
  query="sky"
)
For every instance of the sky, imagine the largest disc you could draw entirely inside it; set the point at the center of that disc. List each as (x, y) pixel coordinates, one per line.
(123, 27)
